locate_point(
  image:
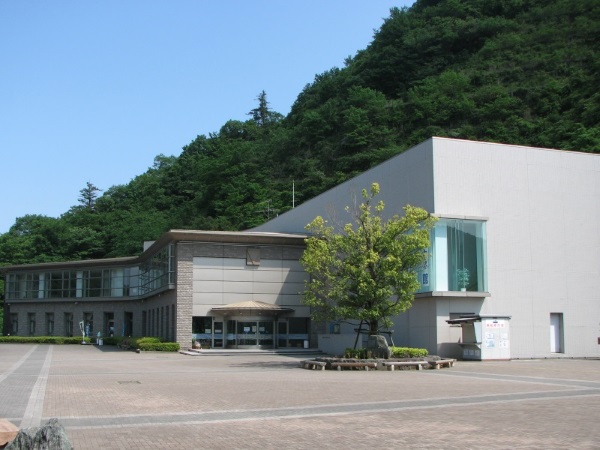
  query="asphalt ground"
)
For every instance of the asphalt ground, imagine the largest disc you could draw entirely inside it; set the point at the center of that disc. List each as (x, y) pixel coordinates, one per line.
(112, 399)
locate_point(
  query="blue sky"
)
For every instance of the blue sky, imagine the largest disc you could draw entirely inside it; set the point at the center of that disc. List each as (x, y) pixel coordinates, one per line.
(93, 90)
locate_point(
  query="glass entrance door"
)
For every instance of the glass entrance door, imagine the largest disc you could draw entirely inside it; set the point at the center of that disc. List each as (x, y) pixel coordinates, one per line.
(265, 333)
(246, 334)
(251, 333)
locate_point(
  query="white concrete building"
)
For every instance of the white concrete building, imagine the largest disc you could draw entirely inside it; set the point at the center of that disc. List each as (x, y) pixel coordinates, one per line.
(523, 221)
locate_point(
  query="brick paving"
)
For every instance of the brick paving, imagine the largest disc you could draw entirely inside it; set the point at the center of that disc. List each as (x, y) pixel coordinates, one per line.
(113, 399)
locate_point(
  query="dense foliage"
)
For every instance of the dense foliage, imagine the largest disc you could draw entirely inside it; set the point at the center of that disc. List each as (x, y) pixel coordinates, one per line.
(514, 71)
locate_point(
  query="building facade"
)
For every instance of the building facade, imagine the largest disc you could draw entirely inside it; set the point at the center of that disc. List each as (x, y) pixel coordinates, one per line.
(227, 290)
(517, 237)
(516, 246)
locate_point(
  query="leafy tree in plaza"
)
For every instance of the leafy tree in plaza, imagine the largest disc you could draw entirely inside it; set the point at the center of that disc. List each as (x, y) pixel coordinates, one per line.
(367, 270)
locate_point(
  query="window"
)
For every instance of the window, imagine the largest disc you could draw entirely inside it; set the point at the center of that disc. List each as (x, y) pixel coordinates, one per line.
(31, 320)
(24, 285)
(298, 331)
(88, 324)
(14, 324)
(69, 324)
(159, 271)
(128, 323)
(145, 324)
(465, 255)
(97, 283)
(202, 325)
(49, 324)
(456, 259)
(109, 324)
(61, 284)
(253, 256)
(131, 281)
(167, 324)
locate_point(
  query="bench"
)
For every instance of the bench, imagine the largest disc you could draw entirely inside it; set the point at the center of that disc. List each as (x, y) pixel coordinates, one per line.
(391, 365)
(312, 364)
(442, 362)
(357, 365)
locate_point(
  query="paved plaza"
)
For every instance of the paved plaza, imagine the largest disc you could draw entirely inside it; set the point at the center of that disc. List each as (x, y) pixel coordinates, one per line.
(112, 399)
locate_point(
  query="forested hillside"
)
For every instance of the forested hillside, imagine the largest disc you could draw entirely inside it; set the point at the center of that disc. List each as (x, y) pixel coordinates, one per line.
(513, 71)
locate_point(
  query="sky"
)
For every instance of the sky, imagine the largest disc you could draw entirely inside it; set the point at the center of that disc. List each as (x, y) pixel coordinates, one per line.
(92, 91)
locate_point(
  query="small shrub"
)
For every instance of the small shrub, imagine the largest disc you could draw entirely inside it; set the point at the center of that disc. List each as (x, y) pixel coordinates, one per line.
(149, 340)
(159, 346)
(407, 352)
(152, 344)
(397, 352)
(75, 340)
(359, 353)
(114, 340)
(56, 340)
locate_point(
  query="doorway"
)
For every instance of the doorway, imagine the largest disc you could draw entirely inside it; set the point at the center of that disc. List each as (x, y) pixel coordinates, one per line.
(250, 333)
(556, 333)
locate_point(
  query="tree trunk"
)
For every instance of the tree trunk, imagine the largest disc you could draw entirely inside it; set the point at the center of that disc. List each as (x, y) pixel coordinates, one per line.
(373, 327)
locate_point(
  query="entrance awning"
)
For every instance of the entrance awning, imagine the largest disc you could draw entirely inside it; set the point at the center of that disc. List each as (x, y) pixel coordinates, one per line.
(252, 307)
(475, 318)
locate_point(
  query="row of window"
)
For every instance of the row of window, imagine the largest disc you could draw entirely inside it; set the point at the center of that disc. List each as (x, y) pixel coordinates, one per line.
(32, 325)
(85, 326)
(156, 273)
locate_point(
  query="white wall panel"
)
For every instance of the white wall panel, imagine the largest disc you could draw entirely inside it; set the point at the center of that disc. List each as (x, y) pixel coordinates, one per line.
(543, 211)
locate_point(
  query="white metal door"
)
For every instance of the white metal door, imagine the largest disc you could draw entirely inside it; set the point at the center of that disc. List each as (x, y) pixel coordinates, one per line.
(556, 333)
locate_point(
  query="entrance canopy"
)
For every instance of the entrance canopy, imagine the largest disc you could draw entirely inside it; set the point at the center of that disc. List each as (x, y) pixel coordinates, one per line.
(475, 318)
(251, 308)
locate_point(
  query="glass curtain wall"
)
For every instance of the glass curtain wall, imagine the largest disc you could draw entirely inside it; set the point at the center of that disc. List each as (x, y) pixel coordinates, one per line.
(155, 274)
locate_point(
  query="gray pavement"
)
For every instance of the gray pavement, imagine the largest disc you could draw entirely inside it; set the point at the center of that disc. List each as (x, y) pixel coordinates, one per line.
(112, 399)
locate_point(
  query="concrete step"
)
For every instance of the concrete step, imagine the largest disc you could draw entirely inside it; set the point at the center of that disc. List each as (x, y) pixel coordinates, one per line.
(227, 351)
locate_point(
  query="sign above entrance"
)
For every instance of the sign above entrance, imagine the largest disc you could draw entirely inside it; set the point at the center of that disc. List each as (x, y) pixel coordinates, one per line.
(251, 307)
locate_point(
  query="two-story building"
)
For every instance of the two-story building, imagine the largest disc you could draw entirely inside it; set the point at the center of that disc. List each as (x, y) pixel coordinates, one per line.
(226, 289)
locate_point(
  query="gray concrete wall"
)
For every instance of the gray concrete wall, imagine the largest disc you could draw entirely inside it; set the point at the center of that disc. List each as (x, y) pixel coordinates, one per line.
(221, 276)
